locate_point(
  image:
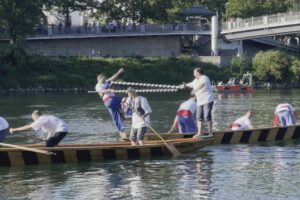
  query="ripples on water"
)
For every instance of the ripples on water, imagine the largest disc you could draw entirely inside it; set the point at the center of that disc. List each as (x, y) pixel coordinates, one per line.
(264, 171)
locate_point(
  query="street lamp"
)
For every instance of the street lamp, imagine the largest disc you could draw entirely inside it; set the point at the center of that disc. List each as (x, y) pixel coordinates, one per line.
(226, 6)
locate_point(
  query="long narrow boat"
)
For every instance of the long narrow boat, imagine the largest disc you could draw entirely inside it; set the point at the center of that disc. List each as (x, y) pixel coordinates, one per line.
(73, 153)
(236, 137)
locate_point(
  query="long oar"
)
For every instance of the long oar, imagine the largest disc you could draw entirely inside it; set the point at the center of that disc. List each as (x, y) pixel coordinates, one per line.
(27, 148)
(31, 137)
(171, 147)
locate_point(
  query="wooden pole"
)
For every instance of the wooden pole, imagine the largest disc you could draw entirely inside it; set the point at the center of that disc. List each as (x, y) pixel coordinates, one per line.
(27, 148)
(169, 146)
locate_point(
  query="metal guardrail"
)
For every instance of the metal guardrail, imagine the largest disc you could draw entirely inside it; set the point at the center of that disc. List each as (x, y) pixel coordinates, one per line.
(60, 30)
(266, 21)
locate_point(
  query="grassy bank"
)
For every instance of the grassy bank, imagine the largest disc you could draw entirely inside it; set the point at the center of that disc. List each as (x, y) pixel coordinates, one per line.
(45, 72)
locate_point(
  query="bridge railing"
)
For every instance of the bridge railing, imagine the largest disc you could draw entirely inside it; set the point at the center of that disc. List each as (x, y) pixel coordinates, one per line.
(59, 30)
(239, 24)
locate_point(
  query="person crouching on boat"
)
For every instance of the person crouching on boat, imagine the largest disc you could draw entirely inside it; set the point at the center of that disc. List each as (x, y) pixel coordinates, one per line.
(140, 116)
(285, 115)
(4, 129)
(184, 120)
(110, 100)
(242, 123)
(56, 128)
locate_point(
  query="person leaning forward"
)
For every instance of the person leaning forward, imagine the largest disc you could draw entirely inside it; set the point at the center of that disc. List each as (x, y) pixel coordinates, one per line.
(4, 129)
(56, 128)
(201, 88)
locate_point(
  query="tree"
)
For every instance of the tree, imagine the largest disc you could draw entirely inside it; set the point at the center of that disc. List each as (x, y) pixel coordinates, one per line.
(145, 11)
(249, 8)
(66, 7)
(18, 18)
(135, 10)
(239, 66)
(272, 66)
(296, 70)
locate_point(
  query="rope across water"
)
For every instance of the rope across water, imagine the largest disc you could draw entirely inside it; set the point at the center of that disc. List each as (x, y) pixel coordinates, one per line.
(145, 85)
(143, 91)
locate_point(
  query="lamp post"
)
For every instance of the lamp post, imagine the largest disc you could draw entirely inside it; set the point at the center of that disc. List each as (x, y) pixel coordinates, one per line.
(226, 6)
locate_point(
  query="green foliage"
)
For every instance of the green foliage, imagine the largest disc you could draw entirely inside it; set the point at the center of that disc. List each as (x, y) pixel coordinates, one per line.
(17, 17)
(273, 66)
(46, 72)
(66, 7)
(147, 11)
(239, 66)
(249, 8)
(296, 69)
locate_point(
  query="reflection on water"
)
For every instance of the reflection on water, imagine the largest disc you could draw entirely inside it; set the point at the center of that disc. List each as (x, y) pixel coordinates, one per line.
(264, 171)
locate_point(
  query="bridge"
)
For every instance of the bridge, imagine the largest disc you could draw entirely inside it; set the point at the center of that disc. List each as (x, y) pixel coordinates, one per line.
(263, 26)
(95, 31)
(164, 39)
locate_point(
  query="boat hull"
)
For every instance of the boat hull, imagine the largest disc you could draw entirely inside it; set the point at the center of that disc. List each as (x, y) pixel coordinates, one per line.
(237, 137)
(235, 88)
(97, 152)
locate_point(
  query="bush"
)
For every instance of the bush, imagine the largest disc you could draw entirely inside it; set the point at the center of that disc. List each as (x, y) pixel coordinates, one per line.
(273, 66)
(239, 66)
(39, 71)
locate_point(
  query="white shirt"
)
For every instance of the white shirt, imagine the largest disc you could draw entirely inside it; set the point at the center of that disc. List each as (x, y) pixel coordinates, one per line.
(98, 87)
(284, 106)
(3, 124)
(188, 105)
(243, 122)
(50, 124)
(204, 95)
(142, 102)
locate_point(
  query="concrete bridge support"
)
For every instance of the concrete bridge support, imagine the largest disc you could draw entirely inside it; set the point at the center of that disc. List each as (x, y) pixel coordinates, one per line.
(240, 48)
(214, 35)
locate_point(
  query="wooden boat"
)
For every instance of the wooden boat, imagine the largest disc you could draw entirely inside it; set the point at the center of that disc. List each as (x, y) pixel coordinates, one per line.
(235, 137)
(241, 87)
(234, 88)
(73, 153)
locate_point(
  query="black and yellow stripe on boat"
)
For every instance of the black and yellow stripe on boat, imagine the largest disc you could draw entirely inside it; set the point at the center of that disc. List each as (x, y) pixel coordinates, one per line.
(96, 152)
(237, 137)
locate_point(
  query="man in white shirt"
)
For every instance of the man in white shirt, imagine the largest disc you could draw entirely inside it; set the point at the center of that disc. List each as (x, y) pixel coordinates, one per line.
(140, 116)
(56, 128)
(205, 100)
(4, 129)
(242, 123)
(184, 120)
(285, 115)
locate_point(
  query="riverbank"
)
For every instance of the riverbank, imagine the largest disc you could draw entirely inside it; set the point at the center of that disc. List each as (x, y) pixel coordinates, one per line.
(44, 74)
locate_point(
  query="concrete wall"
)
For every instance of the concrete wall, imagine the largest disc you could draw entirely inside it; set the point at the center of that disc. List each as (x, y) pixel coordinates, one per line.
(113, 46)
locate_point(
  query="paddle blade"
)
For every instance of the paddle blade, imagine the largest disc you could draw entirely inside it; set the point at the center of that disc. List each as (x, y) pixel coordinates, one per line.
(173, 149)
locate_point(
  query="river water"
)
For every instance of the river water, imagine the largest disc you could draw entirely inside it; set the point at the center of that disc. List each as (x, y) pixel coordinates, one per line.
(262, 171)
